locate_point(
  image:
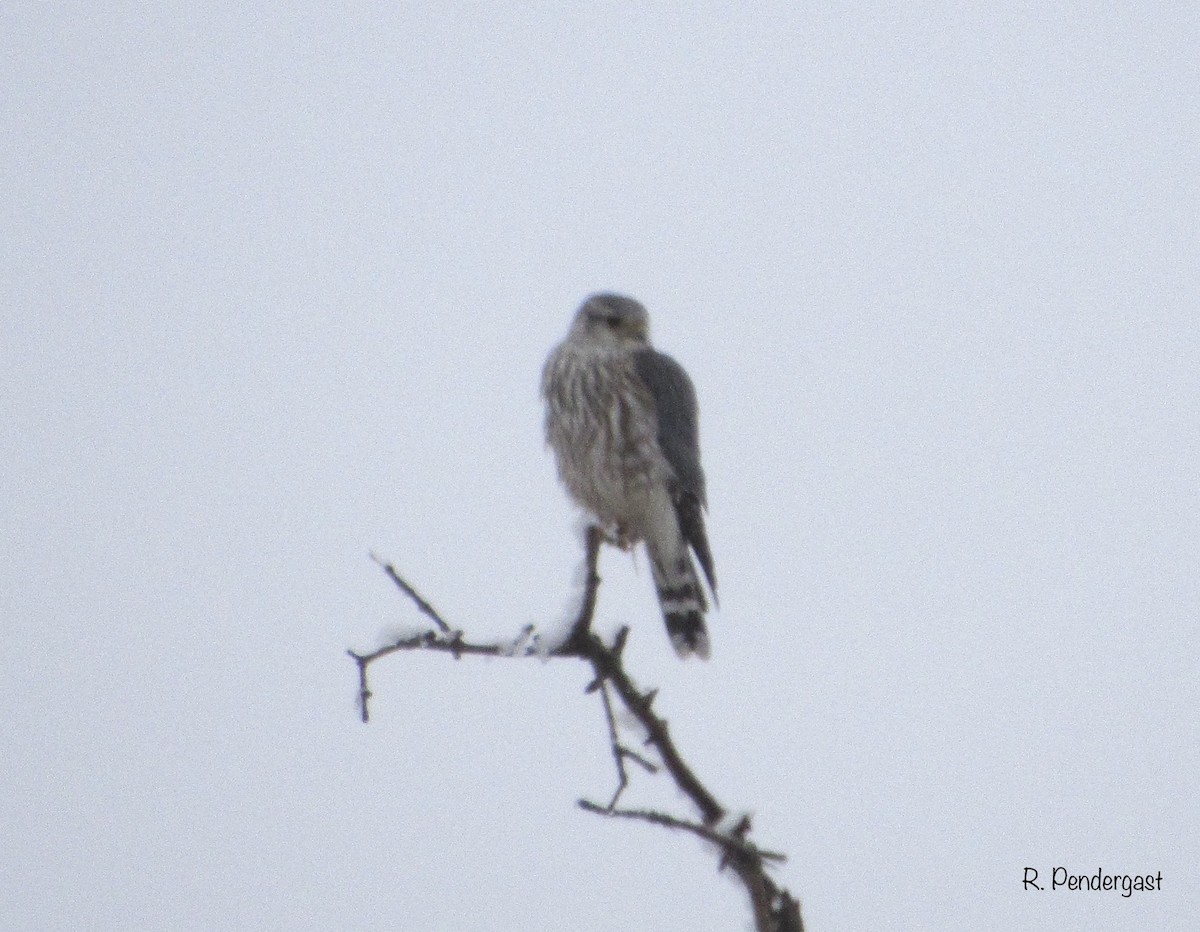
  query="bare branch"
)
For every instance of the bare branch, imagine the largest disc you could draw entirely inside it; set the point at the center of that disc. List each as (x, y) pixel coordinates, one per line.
(775, 910)
(728, 843)
(426, 640)
(619, 751)
(581, 629)
(412, 593)
(607, 665)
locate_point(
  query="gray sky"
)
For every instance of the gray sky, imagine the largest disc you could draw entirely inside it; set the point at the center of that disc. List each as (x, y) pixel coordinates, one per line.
(277, 283)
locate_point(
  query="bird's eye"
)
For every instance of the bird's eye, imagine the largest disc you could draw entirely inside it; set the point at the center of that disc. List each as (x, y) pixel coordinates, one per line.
(613, 322)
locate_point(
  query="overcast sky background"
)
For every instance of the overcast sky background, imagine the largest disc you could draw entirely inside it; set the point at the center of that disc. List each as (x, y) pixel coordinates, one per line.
(277, 283)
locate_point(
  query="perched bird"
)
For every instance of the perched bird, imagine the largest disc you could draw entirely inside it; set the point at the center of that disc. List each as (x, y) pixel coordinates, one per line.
(621, 420)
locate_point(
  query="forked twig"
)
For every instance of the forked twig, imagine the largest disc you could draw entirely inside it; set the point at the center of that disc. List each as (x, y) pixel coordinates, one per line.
(732, 842)
(775, 910)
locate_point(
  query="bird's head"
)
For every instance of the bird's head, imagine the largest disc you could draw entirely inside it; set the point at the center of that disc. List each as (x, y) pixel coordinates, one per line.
(611, 320)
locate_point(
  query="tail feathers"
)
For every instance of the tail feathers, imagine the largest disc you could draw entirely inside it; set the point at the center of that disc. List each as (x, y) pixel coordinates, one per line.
(688, 634)
(691, 524)
(682, 603)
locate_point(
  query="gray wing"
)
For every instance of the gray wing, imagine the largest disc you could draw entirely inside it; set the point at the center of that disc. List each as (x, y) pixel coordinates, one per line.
(679, 439)
(675, 406)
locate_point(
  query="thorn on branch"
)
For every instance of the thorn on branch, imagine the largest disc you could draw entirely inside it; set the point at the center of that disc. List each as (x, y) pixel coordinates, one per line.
(739, 831)
(774, 908)
(521, 642)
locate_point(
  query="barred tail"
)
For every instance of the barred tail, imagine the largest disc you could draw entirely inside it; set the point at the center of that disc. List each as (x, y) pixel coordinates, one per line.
(691, 524)
(682, 601)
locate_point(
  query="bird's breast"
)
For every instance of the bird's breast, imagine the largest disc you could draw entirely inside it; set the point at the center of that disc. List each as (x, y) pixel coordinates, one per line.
(603, 434)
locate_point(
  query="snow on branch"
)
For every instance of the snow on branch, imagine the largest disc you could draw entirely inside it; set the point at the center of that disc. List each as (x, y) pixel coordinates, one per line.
(775, 909)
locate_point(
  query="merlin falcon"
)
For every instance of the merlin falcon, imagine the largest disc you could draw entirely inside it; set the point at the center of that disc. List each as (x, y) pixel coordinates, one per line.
(621, 420)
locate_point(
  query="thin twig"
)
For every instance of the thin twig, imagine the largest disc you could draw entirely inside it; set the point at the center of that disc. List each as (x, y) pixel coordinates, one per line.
(607, 665)
(775, 910)
(619, 751)
(364, 691)
(614, 739)
(412, 593)
(426, 640)
(731, 843)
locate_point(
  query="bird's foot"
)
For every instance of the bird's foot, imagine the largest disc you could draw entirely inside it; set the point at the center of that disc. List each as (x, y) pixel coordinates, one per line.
(618, 536)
